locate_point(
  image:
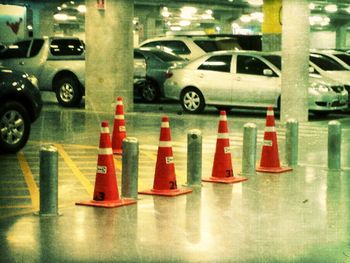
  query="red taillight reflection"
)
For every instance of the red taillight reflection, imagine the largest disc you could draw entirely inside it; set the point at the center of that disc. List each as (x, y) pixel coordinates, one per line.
(168, 74)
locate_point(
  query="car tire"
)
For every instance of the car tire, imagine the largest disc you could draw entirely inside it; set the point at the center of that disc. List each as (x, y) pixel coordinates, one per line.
(150, 91)
(14, 126)
(68, 92)
(192, 100)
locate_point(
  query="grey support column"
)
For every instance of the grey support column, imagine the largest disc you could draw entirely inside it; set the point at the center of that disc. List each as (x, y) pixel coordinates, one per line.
(48, 181)
(272, 25)
(130, 167)
(295, 53)
(109, 55)
(194, 157)
(249, 149)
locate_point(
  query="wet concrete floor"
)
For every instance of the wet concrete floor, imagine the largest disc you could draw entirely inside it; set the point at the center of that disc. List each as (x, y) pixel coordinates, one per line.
(297, 216)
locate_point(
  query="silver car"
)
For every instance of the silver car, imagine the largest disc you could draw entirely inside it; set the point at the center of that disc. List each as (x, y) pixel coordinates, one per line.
(243, 78)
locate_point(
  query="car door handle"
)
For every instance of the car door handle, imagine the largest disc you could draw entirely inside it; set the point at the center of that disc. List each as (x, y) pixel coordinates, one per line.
(21, 63)
(238, 78)
(201, 76)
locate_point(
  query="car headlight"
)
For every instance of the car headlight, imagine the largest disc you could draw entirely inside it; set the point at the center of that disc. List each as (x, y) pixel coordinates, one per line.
(320, 87)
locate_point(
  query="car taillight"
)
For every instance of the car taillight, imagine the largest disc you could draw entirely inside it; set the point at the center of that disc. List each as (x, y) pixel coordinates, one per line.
(168, 74)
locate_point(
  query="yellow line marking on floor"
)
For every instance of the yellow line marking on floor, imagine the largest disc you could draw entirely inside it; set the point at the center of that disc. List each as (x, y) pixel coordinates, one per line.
(78, 174)
(28, 177)
(15, 206)
(118, 163)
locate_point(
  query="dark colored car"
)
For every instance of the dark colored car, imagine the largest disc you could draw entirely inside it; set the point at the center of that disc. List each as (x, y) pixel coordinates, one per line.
(157, 63)
(20, 105)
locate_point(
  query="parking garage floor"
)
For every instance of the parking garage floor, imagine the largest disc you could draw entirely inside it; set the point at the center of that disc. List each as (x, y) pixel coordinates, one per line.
(297, 216)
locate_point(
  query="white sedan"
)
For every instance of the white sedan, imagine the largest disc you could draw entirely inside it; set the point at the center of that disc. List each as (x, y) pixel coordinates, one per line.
(243, 78)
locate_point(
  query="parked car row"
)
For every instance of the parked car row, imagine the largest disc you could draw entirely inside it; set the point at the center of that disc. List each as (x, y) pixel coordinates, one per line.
(244, 78)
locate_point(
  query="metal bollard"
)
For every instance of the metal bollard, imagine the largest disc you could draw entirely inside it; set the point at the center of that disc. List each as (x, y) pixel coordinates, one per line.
(292, 141)
(48, 181)
(334, 145)
(194, 157)
(130, 167)
(249, 149)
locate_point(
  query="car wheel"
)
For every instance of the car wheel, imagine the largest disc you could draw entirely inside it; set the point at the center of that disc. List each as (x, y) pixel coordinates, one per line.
(68, 92)
(192, 100)
(150, 92)
(14, 127)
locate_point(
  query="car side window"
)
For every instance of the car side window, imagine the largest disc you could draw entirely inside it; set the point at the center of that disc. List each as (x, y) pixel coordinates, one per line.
(250, 65)
(221, 63)
(37, 45)
(66, 47)
(16, 50)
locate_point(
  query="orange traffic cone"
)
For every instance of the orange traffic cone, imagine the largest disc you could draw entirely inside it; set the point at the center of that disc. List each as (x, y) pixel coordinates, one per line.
(119, 130)
(106, 190)
(164, 178)
(222, 168)
(270, 161)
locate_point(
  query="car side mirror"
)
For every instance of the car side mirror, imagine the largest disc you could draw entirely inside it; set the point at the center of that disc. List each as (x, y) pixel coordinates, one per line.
(268, 72)
(311, 70)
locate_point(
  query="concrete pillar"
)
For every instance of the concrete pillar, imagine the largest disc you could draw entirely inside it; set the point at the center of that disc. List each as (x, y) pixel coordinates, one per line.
(272, 25)
(341, 36)
(46, 25)
(109, 55)
(295, 53)
(150, 28)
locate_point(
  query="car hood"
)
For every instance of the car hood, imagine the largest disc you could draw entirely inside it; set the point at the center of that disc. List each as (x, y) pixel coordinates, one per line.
(340, 76)
(319, 79)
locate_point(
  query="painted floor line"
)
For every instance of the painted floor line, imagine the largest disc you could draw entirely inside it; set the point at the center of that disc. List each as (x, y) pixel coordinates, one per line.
(78, 174)
(29, 179)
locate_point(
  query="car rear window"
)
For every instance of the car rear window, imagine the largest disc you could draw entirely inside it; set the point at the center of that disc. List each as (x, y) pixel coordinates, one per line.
(326, 63)
(221, 63)
(66, 47)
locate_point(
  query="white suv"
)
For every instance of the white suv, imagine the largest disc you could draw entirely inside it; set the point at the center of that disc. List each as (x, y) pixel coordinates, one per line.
(190, 47)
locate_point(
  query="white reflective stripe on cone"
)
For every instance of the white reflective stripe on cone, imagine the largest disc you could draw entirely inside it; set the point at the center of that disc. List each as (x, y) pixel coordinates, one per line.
(119, 102)
(165, 125)
(164, 144)
(105, 151)
(119, 117)
(223, 118)
(269, 113)
(270, 128)
(104, 130)
(223, 136)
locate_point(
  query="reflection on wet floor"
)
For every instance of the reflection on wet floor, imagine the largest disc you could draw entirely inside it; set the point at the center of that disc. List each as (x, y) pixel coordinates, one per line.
(298, 216)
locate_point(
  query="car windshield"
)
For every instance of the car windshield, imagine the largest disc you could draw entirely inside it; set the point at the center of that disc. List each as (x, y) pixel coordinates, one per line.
(326, 63)
(209, 45)
(167, 57)
(275, 60)
(344, 57)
